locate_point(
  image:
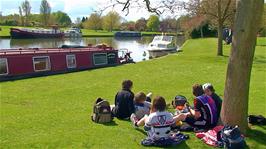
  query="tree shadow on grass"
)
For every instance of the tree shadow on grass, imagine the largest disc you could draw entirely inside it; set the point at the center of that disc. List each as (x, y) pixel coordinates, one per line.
(257, 136)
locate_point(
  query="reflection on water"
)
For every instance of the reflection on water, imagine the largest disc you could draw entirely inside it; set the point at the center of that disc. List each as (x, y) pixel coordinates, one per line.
(137, 46)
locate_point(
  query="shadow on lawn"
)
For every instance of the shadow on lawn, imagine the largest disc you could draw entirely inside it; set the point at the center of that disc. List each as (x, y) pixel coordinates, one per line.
(182, 145)
(112, 123)
(257, 136)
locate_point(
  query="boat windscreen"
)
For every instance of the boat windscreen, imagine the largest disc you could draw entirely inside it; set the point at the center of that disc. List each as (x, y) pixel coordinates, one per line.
(167, 38)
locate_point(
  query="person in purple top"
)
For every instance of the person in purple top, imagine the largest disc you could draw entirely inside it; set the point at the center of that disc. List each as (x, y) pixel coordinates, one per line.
(204, 114)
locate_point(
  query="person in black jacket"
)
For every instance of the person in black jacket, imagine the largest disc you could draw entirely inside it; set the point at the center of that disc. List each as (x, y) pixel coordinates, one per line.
(209, 90)
(124, 101)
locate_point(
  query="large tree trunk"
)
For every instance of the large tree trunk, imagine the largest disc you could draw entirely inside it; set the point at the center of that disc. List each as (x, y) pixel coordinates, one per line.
(220, 39)
(247, 22)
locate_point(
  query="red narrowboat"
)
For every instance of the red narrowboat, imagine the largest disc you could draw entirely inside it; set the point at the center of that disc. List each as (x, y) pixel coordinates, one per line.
(21, 63)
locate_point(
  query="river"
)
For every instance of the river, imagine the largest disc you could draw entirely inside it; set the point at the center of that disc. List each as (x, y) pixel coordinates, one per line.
(135, 45)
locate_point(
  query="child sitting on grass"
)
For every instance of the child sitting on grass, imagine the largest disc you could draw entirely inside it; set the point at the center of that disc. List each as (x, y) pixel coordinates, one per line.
(142, 107)
(210, 91)
(158, 123)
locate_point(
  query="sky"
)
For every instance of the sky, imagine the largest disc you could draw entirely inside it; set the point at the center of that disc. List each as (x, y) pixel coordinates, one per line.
(77, 8)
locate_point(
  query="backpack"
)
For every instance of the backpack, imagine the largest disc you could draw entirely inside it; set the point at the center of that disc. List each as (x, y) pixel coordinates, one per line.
(101, 111)
(230, 138)
(179, 101)
(256, 120)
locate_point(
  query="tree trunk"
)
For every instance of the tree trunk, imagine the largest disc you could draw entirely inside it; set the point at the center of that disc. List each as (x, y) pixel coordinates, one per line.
(220, 30)
(220, 39)
(247, 23)
(201, 32)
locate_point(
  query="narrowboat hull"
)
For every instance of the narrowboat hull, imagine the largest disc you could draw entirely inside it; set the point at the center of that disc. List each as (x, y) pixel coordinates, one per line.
(24, 63)
(20, 34)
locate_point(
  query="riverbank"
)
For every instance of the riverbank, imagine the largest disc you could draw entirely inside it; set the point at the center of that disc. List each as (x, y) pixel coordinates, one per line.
(54, 111)
(4, 33)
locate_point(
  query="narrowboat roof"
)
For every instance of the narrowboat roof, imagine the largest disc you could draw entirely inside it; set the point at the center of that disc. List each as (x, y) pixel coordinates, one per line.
(54, 50)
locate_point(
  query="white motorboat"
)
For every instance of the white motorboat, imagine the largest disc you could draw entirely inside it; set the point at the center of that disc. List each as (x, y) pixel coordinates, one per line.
(161, 46)
(73, 32)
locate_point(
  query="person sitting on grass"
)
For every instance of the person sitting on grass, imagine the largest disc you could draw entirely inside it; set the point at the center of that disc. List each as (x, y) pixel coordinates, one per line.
(158, 123)
(142, 107)
(204, 115)
(209, 90)
(124, 105)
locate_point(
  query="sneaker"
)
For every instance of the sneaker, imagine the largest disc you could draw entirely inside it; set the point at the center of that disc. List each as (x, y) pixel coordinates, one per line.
(134, 120)
(149, 94)
(148, 97)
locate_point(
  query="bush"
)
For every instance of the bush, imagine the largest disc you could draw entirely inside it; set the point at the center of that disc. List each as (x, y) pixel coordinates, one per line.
(207, 32)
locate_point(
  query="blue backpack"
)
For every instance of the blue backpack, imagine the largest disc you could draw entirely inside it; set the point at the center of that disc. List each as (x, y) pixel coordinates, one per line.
(230, 138)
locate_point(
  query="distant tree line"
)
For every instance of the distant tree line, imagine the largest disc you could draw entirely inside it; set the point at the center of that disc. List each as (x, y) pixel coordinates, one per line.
(44, 18)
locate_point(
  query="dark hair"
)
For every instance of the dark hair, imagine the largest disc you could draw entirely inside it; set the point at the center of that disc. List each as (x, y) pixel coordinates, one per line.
(158, 103)
(139, 97)
(210, 87)
(127, 84)
(197, 90)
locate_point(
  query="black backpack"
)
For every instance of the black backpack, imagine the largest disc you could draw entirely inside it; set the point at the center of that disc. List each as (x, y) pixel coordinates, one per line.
(256, 120)
(101, 111)
(179, 100)
(230, 138)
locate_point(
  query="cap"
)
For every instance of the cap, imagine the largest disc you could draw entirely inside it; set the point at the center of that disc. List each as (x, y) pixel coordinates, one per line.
(206, 86)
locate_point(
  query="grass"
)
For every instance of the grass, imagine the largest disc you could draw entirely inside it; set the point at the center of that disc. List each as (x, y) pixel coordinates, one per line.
(54, 111)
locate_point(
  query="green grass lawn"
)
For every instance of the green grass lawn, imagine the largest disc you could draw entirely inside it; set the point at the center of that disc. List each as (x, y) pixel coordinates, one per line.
(54, 111)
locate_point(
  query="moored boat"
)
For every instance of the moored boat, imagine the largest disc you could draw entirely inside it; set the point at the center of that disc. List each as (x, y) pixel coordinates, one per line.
(18, 33)
(162, 45)
(20, 63)
(73, 32)
(121, 34)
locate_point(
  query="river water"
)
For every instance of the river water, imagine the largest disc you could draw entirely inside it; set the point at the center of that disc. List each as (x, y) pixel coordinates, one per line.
(135, 45)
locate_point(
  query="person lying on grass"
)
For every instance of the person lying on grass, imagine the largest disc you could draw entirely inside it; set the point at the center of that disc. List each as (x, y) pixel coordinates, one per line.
(142, 107)
(204, 114)
(124, 105)
(158, 123)
(210, 91)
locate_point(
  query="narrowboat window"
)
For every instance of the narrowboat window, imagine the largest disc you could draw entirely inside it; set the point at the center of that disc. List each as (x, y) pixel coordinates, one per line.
(3, 66)
(100, 58)
(41, 63)
(71, 61)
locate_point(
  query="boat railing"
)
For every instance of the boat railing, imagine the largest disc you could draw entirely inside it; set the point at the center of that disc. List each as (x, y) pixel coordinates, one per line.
(43, 51)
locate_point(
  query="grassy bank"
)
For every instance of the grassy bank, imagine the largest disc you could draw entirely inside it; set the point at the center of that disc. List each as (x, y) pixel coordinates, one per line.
(54, 111)
(4, 33)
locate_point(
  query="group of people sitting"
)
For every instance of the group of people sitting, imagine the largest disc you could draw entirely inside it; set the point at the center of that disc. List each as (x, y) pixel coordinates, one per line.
(153, 114)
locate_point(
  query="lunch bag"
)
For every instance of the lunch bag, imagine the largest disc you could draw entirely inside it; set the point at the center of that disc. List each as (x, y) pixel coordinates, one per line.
(101, 111)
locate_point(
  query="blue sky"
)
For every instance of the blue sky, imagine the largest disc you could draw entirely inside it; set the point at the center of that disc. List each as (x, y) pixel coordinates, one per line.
(74, 8)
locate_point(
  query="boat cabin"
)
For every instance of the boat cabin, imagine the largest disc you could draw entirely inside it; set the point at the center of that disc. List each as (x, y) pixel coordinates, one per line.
(20, 63)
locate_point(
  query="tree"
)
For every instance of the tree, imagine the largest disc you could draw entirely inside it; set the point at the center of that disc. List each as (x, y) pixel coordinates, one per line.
(111, 21)
(21, 16)
(130, 26)
(168, 24)
(153, 23)
(45, 11)
(61, 18)
(218, 11)
(94, 22)
(26, 8)
(83, 19)
(141, 24)
(247, 23)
